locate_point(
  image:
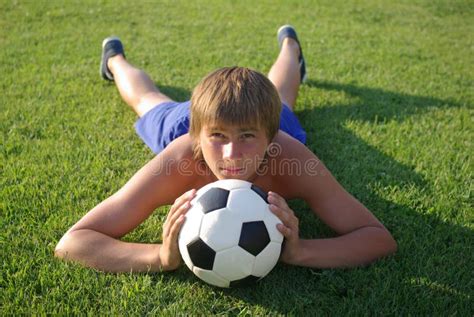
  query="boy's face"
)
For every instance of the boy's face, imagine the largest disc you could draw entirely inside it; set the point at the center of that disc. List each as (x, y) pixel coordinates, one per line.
(233, 151)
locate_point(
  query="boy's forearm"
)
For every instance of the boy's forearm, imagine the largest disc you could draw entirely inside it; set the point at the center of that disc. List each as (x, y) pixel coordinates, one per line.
(99, 251)
(357, 248)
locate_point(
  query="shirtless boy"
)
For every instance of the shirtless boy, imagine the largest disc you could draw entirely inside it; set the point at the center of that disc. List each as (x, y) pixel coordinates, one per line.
(228, 130)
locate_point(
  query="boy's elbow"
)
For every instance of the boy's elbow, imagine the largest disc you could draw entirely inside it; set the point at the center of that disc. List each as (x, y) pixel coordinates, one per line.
(61, 249)
(390, 243)
(394, 248)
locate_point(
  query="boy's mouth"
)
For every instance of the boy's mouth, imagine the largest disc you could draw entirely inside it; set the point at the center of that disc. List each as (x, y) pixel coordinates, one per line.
(232, 170)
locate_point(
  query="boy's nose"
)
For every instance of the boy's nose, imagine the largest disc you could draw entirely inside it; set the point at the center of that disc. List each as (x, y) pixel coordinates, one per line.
(230, 150)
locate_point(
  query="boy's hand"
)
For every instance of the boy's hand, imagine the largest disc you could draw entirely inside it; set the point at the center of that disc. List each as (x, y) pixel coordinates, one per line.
(170, 258)
(289, 227)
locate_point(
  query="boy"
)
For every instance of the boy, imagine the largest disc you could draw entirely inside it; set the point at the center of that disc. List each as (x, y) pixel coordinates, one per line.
(238, 128)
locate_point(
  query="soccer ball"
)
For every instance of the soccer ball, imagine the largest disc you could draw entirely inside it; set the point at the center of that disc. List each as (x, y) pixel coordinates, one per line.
(229, 237)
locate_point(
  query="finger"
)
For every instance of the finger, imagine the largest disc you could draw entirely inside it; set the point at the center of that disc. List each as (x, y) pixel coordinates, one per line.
(285, 231)
(176, 210)
(187, 196)
(286, 217)
(275, 195)
(174, 230)
(173, 218)
(277, 199)
(181, 211)
(281, 204)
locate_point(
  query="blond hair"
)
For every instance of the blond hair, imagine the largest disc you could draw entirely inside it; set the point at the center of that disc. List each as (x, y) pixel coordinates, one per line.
(234, 96)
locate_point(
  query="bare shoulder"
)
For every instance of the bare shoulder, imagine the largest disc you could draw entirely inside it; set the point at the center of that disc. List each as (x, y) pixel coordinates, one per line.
(168, 175)
(295, 165)
(292, 148)
(305, 176)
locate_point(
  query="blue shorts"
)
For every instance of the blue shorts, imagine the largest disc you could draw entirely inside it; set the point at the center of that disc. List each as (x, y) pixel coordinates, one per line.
(170, 120)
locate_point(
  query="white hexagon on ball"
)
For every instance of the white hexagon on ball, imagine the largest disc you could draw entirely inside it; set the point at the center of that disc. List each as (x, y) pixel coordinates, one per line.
(211, 277)
(234, 263)
(267, 259)
(219, 230)
(246, 204)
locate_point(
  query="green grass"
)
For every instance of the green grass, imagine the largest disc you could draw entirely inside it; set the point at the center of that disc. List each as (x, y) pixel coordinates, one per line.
(388, 108)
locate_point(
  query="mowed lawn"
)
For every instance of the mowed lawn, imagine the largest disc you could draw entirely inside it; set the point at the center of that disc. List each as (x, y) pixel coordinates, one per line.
(388, 107)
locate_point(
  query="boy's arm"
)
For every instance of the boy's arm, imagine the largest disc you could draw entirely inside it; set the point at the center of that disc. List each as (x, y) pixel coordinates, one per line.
(362, 238)
(354, 248)
(94, 240)
(87, 244)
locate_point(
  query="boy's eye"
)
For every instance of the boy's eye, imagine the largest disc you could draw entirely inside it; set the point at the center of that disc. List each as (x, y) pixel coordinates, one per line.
(244, 136)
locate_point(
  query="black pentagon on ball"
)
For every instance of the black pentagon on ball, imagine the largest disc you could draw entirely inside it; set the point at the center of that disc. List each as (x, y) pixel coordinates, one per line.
(201, 254)
(260, 192)
(246, 281)
(254, 237)
(215, 198)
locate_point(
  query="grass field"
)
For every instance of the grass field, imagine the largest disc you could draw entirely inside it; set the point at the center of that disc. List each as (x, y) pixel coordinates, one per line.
(388, 107)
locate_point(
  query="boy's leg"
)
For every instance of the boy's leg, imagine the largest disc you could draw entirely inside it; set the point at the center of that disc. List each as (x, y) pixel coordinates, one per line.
(134, 85)
(285, 73)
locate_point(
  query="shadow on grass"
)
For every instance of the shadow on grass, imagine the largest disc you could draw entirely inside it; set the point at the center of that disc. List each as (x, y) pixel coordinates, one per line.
(175, 93)
(377, 105)
(429, 270)
(349, 157)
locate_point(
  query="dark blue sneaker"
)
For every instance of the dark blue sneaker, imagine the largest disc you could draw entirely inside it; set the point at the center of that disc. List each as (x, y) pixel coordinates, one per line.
(289, 31)
(111, 46)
